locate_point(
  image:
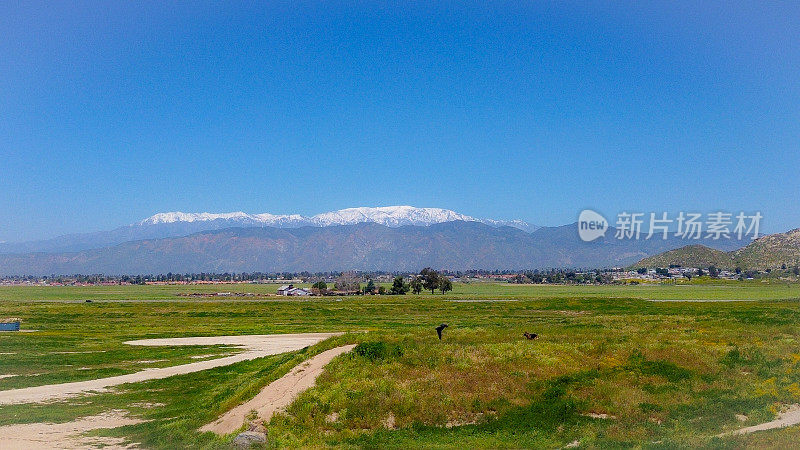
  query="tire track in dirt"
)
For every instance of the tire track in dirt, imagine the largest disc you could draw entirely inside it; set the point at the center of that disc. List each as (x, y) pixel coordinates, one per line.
(257, 346)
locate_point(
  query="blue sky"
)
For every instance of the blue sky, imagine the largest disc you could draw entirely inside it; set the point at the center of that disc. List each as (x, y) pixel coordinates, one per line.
(113, 111)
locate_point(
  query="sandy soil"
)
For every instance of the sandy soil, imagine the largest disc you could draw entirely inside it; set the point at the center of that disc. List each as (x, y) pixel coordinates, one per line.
(65, 435)
(786, 418)
(278, 394)
(256, 346)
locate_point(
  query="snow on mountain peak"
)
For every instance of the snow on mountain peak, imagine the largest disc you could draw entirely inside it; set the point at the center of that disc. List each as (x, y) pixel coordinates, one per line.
(178, 216)
(391, 216)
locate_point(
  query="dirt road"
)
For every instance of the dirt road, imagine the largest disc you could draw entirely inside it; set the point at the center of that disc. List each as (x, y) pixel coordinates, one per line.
(34, 436)
(278, 394)
(256, 346)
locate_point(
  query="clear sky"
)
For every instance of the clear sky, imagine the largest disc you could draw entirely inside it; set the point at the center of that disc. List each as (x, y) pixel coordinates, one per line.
(113, 111)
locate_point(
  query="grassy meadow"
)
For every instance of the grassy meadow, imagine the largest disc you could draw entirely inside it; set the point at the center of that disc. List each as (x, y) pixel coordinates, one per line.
(611, 367)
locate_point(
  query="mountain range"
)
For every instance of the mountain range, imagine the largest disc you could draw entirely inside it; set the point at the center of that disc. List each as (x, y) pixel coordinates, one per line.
(392, 238)
(174, 224)
(767, 252)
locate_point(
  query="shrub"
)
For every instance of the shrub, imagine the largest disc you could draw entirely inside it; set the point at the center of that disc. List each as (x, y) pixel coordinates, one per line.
(378, 350)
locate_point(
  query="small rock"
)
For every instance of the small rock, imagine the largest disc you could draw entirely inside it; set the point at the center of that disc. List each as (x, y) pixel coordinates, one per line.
(257, 426)
(248, 438)
(599, 415)
(741, 417)
(389, 422)
(332, 417)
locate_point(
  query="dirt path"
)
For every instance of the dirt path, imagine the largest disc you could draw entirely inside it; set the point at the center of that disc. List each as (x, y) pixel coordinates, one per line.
(67, 435)
(278, 394)
(257, 346)
(703, 300)
(786, 418)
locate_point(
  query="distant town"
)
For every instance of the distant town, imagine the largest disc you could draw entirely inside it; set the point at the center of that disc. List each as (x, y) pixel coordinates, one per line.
(359, 283)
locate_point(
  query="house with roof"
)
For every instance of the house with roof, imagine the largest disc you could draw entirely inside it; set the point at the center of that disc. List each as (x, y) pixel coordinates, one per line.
(285, 288)
(290, 290)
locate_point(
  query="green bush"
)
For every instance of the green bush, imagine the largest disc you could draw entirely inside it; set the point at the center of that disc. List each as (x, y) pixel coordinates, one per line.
(378, 350)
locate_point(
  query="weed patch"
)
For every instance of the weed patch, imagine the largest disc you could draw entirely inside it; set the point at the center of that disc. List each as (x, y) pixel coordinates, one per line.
(637, 363)
(378, 351)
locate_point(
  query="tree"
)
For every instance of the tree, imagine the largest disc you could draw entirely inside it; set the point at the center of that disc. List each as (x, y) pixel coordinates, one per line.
(369, 288)
(713, 271)
(321, 285)
(399, 286)
(445, 285)
(700, 272)
(416, 285)
(347, 282)
(641, 270)
(430, 279)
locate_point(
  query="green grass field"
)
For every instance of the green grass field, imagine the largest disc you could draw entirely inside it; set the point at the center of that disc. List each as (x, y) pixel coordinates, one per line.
(666, 374)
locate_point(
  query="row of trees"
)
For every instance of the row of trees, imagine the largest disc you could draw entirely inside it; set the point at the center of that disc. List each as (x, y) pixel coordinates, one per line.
(563, 277)
(431, 280)
(428, 279)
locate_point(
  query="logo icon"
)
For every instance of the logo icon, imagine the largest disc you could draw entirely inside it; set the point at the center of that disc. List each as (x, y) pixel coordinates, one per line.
(591, 225)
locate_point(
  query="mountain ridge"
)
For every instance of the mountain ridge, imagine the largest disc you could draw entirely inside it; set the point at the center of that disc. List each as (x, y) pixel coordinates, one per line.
(384, 215)
(177, 223)
(455, 245)
(767, 252)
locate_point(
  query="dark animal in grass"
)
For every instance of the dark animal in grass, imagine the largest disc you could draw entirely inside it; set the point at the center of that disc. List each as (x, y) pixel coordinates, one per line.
(530, 336)
(439, 330)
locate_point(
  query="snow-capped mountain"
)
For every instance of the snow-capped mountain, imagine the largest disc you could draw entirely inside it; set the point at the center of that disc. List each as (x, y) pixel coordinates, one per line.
(388, 238)
(174, 224)
(237, 218)
(390, 216)
(456, 245)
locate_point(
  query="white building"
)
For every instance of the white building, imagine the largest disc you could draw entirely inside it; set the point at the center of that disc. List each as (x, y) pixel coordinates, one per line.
(290, 290)
(299, 292)
(284, 290)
